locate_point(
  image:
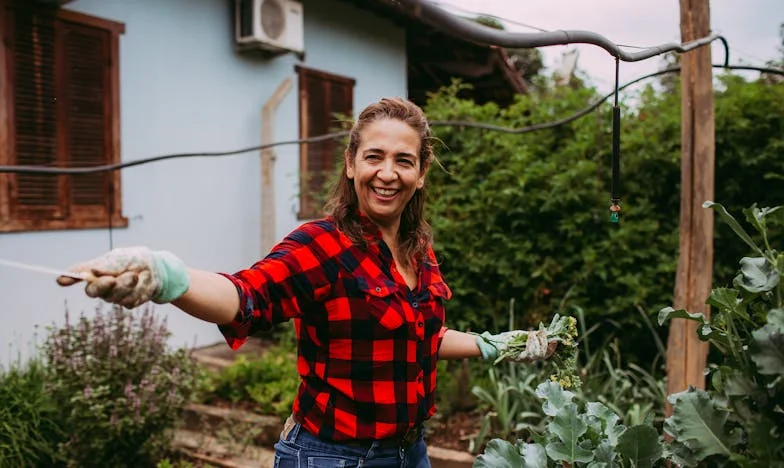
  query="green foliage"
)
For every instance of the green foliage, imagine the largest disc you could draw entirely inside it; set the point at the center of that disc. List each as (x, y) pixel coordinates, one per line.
(526, 216)
(28, 426)
(511, 410)
(117, 386)
(580, 436)
(269, 381)
(741, 419)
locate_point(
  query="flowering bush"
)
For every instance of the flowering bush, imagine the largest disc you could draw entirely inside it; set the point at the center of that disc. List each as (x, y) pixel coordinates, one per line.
(120, 388)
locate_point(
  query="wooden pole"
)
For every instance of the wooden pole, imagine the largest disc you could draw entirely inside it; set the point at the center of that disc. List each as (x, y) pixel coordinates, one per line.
(686, 355)
(267, 166)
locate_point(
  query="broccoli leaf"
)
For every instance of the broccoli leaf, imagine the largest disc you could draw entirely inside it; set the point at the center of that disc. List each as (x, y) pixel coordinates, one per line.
(554, 396)
(756, 275)
(704, 330)
(568, 427)
(769, 340)
(668, 313)
(500, 454)
(733, 223)
(726, 299)
(641, 445)
(534, 455)
(610, 427)
(604, 456)
(699, 426)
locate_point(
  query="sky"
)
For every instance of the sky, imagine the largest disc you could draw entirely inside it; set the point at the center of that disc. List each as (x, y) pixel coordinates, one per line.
(750, 26)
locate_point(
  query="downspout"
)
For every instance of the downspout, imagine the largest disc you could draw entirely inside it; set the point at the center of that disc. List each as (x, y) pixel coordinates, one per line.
(268, 156)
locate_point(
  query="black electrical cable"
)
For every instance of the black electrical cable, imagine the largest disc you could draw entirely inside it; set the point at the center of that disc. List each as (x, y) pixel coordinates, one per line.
(443, 21)
(330, 136)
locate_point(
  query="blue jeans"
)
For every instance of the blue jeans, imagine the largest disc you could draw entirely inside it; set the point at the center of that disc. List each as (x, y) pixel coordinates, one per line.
(297, 448)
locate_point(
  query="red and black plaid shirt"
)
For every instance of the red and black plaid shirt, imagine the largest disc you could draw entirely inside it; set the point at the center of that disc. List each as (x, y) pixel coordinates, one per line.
(367, 344)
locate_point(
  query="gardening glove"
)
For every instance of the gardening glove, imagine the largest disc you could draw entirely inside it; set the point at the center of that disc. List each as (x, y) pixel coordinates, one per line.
(131, 276)
(536, 347)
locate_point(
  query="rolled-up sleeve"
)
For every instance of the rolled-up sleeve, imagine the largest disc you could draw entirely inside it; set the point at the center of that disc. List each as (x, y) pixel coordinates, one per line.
(277, 288)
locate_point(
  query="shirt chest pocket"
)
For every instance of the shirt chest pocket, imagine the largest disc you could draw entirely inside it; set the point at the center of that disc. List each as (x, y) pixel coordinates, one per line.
(382, 303)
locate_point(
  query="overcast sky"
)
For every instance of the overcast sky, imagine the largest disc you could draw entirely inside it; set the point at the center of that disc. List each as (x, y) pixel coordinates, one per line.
(750, 26)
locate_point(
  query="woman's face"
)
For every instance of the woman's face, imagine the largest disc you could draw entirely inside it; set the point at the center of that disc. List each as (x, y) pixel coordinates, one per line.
(386, 170)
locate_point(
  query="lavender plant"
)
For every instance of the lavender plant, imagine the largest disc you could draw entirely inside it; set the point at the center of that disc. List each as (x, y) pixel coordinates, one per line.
(118, 385)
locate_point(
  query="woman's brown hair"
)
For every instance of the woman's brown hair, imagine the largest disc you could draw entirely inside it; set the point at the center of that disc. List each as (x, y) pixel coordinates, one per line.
(414, 233)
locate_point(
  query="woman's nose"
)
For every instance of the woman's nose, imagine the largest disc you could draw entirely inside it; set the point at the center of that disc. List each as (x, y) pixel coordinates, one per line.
(387, 171)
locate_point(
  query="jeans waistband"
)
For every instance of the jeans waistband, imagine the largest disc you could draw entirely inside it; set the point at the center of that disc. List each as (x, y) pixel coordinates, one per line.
(292, 429)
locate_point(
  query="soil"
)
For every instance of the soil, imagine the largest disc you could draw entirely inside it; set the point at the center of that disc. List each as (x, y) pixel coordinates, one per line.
(453, 432)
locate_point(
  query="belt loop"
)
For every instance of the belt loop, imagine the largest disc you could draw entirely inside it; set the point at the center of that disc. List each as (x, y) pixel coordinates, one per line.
(373, 446)
(290, 429)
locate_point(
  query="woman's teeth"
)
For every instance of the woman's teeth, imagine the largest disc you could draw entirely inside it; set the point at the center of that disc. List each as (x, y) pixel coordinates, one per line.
(385, 192)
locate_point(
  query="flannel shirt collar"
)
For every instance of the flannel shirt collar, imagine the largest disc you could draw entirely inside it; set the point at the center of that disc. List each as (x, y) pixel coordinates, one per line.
(370, 230)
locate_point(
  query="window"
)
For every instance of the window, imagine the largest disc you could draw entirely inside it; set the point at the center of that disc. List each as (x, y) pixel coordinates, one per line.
(59, 88)
(326, 101)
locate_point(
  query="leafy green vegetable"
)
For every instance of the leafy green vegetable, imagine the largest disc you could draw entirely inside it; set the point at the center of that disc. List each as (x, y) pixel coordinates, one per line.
(640, 444)
(561, 330)
(568, 427)
(769, 341)
(500, 454)
(699, 424)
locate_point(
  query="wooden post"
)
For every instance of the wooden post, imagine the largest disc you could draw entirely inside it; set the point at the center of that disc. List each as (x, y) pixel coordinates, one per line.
(267, 166)
(686, 355)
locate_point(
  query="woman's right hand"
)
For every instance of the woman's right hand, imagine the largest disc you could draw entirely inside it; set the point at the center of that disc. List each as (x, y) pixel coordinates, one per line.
(131, 276)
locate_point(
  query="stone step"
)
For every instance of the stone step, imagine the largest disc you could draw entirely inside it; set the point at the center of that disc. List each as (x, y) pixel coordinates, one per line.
(221, 453)
(448, 458)
(219, 356)
(261, 430)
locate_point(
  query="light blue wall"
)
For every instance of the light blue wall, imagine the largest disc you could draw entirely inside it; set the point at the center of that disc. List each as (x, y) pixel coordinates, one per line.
(185, 89)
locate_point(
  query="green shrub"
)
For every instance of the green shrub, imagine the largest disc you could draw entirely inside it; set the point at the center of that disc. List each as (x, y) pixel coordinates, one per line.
(269, 381)
(118, 386)
(28, 427)
(526, 215)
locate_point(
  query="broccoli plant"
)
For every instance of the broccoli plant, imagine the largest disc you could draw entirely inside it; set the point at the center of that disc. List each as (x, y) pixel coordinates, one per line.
(590, 436)
(741, 418)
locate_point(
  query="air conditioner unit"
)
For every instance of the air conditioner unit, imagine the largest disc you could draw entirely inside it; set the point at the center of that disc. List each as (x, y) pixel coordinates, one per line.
(272, 25)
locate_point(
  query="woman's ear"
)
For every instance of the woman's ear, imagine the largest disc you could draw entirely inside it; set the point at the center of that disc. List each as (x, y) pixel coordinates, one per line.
(349, 164)
(420, 181)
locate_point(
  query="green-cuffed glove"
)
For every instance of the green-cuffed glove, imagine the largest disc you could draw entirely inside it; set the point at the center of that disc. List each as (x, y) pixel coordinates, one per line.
(131, 276)
(495, 346)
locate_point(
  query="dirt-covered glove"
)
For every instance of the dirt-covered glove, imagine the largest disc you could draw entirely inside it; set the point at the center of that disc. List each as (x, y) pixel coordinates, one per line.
(131, 276)
(515, 345)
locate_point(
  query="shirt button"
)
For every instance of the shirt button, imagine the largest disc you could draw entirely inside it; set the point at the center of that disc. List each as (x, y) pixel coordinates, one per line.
(415, 305)
(420, 324)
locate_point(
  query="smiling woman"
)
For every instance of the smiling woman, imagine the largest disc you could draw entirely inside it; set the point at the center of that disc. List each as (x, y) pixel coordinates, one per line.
(364, 290)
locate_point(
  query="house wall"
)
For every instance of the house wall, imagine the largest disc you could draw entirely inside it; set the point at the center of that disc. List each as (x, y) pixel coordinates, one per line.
(185, 89)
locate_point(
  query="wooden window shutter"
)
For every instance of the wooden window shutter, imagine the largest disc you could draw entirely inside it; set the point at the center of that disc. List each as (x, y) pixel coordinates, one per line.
(62, 77)
(35, 115)
(324, 100)
(86, 62)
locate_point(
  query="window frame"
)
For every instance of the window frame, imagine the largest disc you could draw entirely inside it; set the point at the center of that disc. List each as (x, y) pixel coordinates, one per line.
(307, 205)
(77, 217)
